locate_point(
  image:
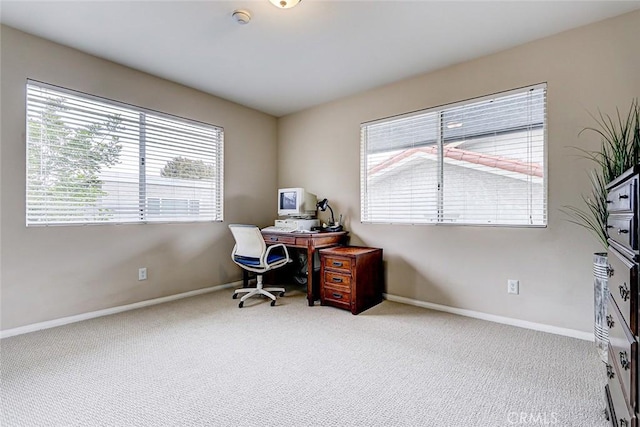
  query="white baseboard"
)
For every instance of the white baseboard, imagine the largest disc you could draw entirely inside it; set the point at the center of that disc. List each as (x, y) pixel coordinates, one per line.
(493, 318)
(113, 310)
(462, 312)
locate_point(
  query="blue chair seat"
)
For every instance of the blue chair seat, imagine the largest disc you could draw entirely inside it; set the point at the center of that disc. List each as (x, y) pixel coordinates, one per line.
(255, 262)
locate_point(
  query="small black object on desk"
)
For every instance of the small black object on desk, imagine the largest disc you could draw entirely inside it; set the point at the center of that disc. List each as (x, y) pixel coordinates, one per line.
(327, 229)
(333, 226)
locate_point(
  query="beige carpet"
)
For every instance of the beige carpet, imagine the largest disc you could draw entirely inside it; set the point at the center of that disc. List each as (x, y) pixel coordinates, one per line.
(202, 361)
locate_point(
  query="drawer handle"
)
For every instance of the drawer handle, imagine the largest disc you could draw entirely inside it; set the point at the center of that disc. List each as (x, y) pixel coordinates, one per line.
(624, 291)
(337, 264)
(610, 322)
(337, 279)
(624, 362)
(623, 196)
(609, 270)
(338, 296)
(610, 372)
(273, 239)
(624, 422)
(622, 231)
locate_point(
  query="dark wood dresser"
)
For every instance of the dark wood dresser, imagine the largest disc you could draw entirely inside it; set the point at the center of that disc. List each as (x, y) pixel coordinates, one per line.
(351, 277)
(622, 309)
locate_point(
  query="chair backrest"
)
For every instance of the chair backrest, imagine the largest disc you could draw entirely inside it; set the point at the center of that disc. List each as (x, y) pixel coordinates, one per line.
(249, 241)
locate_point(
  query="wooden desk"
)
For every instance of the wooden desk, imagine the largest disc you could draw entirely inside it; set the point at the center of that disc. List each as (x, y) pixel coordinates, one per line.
(311, 242)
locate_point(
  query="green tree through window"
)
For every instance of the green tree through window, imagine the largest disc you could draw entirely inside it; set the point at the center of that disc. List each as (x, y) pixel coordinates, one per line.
(97, 160)
(182, 167)
(65, 159)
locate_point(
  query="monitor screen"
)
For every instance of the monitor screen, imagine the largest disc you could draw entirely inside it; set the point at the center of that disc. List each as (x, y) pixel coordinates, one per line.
(288, 200)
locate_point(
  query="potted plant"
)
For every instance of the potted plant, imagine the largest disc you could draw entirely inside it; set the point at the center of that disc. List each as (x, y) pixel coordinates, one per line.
(620, 144)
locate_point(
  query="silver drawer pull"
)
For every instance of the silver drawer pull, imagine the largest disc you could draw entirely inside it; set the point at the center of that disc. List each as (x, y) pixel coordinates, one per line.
(610, 322)
(336, 279)
(337, 264)
(624, 291)
(339, 296)
(622, 231)
(610, 372)
(624, 361)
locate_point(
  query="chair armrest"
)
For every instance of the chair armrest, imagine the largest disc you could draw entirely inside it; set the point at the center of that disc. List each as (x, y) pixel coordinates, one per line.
(272, 247)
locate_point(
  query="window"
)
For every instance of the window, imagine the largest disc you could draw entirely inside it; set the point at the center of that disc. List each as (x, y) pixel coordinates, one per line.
(92, 160)
(476, 162)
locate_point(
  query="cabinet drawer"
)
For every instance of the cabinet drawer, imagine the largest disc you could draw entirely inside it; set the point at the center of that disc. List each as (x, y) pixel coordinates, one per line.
(338, 263)
(622, 198)
(337, 279)
(620, 412)
(622, 349)
(622, 229)
(337, 296)
(623, 286)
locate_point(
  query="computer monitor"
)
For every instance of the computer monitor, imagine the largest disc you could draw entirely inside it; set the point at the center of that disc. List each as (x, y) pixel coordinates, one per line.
(296, 202)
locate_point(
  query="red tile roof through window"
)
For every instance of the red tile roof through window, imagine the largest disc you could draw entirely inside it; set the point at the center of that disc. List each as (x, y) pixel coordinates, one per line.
(498, 162)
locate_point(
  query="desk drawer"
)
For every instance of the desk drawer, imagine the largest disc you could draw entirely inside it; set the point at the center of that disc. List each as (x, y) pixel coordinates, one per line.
(338, 263)
(622, 348)
(280, 238)
(622, 198)
(622, 284)
(337, 296)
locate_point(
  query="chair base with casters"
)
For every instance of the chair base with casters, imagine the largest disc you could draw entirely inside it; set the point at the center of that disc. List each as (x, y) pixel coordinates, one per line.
(258, 290)
(252, 254)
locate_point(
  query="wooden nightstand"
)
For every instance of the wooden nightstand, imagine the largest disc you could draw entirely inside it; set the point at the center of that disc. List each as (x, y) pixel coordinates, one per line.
(351, 277)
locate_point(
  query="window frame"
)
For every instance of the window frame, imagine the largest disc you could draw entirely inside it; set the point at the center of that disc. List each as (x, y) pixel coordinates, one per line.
(217, 212)
(440, 212)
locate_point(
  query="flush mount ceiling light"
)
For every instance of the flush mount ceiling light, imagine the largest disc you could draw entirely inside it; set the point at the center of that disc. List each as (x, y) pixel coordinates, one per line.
(285, 4)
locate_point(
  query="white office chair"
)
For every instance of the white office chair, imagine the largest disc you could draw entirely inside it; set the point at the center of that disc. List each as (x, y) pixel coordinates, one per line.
(252, 253)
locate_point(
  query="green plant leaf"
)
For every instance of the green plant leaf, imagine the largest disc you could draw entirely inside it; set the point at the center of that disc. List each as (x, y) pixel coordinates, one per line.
(619, 148)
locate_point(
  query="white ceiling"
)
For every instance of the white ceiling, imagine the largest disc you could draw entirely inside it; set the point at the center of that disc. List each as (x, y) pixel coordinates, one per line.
(284, 61)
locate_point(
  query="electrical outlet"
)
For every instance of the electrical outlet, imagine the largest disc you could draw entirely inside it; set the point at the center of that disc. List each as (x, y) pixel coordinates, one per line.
(142, 273)
(513, 286)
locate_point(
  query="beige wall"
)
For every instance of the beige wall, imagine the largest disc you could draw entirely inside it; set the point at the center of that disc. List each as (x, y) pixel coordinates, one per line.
(52, 272)
(48, 273)
(590, 68)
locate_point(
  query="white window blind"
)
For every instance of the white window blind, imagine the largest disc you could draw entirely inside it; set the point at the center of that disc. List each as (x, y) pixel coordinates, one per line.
(476, 162)
(92, 160)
